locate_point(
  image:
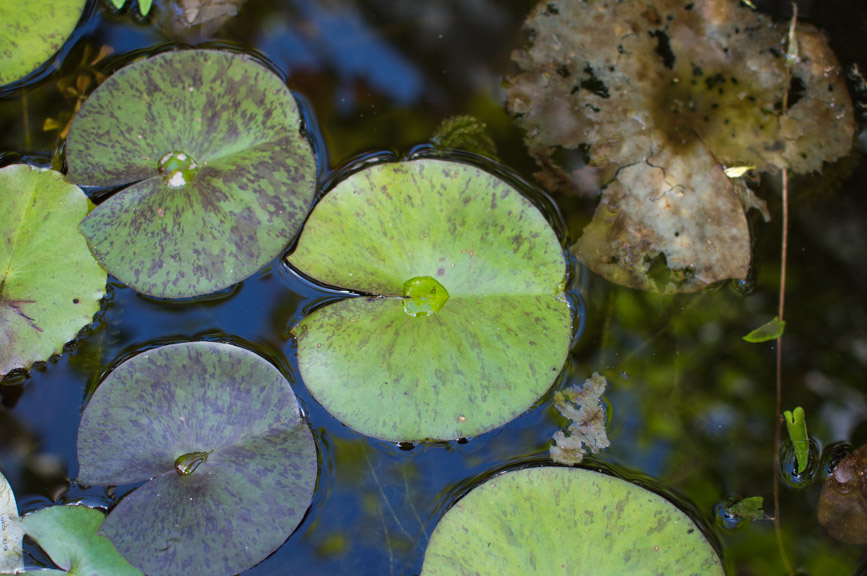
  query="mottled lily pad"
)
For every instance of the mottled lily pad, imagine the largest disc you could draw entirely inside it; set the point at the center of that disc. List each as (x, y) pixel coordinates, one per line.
(50, 285)
(649, 102)
(69, 535)
(31, 32)
(221, 177)
(564, 521)
(468, 326)
(217, 432)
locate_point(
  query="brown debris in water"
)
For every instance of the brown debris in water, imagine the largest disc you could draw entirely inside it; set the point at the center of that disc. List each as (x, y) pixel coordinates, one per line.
(843, 501)
(649, 102)
(583, 407)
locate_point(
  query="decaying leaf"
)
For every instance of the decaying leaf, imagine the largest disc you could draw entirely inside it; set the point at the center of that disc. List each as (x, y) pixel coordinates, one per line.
(584, 408)
(467, 133)
(195, 19)
(843, 501)
(652, 99)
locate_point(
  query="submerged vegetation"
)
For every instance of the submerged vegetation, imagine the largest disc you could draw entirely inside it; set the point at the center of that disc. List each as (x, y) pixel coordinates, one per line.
(287, 357)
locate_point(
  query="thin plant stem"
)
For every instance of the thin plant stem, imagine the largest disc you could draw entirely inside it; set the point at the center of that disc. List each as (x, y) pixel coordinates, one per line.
(25, 118)
(778, 430)
(791, 52)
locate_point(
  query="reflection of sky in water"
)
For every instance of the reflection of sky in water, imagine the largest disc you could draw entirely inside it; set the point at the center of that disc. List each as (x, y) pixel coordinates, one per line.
(341, 40)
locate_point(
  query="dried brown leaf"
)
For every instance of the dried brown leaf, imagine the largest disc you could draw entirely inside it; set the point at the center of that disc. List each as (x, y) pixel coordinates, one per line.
(660, 95)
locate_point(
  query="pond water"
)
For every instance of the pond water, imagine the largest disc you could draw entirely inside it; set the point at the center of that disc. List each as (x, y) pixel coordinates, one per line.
(692, 406)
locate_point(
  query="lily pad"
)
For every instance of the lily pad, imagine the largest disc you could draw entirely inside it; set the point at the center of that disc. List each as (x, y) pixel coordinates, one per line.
(11, 533)
(561, 521)
(68, 534)
(221, 175)
(653, 100)
(31, 32)
(47, 294)
(468, 326)
(217, 432)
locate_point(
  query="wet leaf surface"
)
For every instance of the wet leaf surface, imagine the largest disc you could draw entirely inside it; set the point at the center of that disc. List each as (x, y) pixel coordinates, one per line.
(220, 176)
(660, 98)
(217, 432)
(50, 285)
(31, 32)
(843, 501)
(560, 521)
(478, 355)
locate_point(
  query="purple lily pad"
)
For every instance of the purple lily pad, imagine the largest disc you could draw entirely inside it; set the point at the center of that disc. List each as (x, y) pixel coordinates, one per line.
(218, 433)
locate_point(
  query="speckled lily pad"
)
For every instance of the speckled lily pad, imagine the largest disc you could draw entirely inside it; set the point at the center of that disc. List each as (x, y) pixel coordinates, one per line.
(469, 326)
(47, 294)
(31, 32)
(218, 433)
(220, 175)
(563, 521)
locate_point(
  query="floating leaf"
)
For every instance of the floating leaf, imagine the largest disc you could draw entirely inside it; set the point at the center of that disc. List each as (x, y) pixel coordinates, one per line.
(843, 501)
(656, 96)
(771, 330)
(748, 508)
(797, 428)
(584, 408)
(469, 327)
(47, 294)
(31, 32)
(68, 534)
(222, 176)
(11, 533)
(218, 431)
(561, 521)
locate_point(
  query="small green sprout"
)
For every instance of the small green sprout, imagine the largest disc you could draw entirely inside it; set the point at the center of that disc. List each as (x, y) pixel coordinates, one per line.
(797, 427)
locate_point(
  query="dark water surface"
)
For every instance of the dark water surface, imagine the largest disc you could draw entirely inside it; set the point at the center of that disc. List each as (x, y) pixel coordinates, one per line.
(692, 405)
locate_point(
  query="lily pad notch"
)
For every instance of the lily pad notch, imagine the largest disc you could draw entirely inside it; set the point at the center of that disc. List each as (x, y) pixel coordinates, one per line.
(468, 326)
(219, 176)
(217, 434)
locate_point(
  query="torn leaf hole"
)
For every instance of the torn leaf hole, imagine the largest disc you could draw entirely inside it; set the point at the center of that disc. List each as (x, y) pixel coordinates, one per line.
(663, 48)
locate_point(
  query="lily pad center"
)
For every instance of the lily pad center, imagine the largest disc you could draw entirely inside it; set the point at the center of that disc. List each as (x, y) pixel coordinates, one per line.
(178, 169)
(424, 296)
(186, 464)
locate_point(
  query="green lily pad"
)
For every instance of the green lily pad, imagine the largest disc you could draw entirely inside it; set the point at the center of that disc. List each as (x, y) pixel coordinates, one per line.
(562, 521)
(218, 432)
(31, 32)
(222, 175)
(69, 535)
(50, 285)
(469, 326)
